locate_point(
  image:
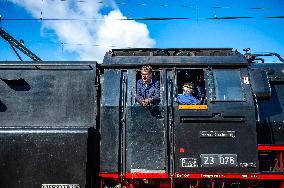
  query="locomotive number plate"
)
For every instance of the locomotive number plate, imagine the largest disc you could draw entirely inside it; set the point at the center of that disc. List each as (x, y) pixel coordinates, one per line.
(189, 162)
(221, 160)
(60, 186)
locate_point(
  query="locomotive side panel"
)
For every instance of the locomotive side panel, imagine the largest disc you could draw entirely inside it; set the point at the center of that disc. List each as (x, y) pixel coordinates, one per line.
(110, 122)
(48, 120)
(214, 140)
(48, 97)
(32, 157)
(146, 141)
(270, 117)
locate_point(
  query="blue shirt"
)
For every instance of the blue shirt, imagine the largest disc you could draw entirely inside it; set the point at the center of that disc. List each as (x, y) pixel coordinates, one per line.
(187, 98)
(145, 91)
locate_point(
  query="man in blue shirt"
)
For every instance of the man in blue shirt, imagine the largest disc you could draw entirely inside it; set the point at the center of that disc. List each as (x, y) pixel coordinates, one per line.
(148, 89)
(187, 97)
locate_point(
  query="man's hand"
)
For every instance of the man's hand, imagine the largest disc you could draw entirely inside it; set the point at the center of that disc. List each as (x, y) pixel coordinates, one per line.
(144, 103)
(147, 102)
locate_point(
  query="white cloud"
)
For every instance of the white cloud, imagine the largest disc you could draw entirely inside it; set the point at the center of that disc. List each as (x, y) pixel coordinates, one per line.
(89, 38)
(126, 33)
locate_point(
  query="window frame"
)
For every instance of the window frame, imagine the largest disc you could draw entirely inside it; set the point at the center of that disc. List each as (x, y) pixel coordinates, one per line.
(178, 86)
(213, 88)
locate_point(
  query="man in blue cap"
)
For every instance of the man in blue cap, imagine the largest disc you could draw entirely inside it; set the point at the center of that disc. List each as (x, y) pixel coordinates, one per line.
(186, 97)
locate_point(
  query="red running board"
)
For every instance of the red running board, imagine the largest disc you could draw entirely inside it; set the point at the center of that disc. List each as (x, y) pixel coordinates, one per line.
(270, 148)
(270, 176)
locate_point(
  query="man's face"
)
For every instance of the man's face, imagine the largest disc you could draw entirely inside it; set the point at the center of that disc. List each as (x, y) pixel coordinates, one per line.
(146, 76)
(187, 90)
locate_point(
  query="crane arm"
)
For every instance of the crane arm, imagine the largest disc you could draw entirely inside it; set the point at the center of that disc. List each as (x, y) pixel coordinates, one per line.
(14, 43)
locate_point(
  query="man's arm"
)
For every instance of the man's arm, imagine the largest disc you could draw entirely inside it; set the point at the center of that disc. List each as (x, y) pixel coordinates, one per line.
(179, 99)
(156, 97)
(138, 94)
(195, 101)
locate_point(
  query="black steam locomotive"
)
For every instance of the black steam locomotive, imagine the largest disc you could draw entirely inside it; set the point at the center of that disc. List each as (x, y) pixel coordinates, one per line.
(77, 124)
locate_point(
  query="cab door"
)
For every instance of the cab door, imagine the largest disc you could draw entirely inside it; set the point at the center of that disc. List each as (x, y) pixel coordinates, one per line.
(145, 131)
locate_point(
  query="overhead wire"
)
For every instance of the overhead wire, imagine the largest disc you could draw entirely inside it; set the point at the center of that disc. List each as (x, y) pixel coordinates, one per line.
(139, 18)
(195, 7)
(164, 5)
(160, 5)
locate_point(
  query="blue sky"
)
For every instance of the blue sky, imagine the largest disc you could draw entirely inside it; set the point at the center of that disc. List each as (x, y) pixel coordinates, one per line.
(98, 27)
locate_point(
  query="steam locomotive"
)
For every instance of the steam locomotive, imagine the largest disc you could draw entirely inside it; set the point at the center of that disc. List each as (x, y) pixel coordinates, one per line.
(77, 124)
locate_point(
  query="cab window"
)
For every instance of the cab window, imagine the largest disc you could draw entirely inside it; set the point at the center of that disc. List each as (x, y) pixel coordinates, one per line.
(227, 84)
(194, 79)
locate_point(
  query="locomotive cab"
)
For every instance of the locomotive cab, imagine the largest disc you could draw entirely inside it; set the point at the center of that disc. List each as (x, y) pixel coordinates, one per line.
(174, 143)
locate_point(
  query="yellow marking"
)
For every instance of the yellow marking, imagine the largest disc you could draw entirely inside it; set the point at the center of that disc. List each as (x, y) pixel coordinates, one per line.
(193, 107)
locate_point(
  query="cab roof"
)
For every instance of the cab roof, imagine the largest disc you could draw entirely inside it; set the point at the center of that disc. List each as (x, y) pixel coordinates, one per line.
(174, 57)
